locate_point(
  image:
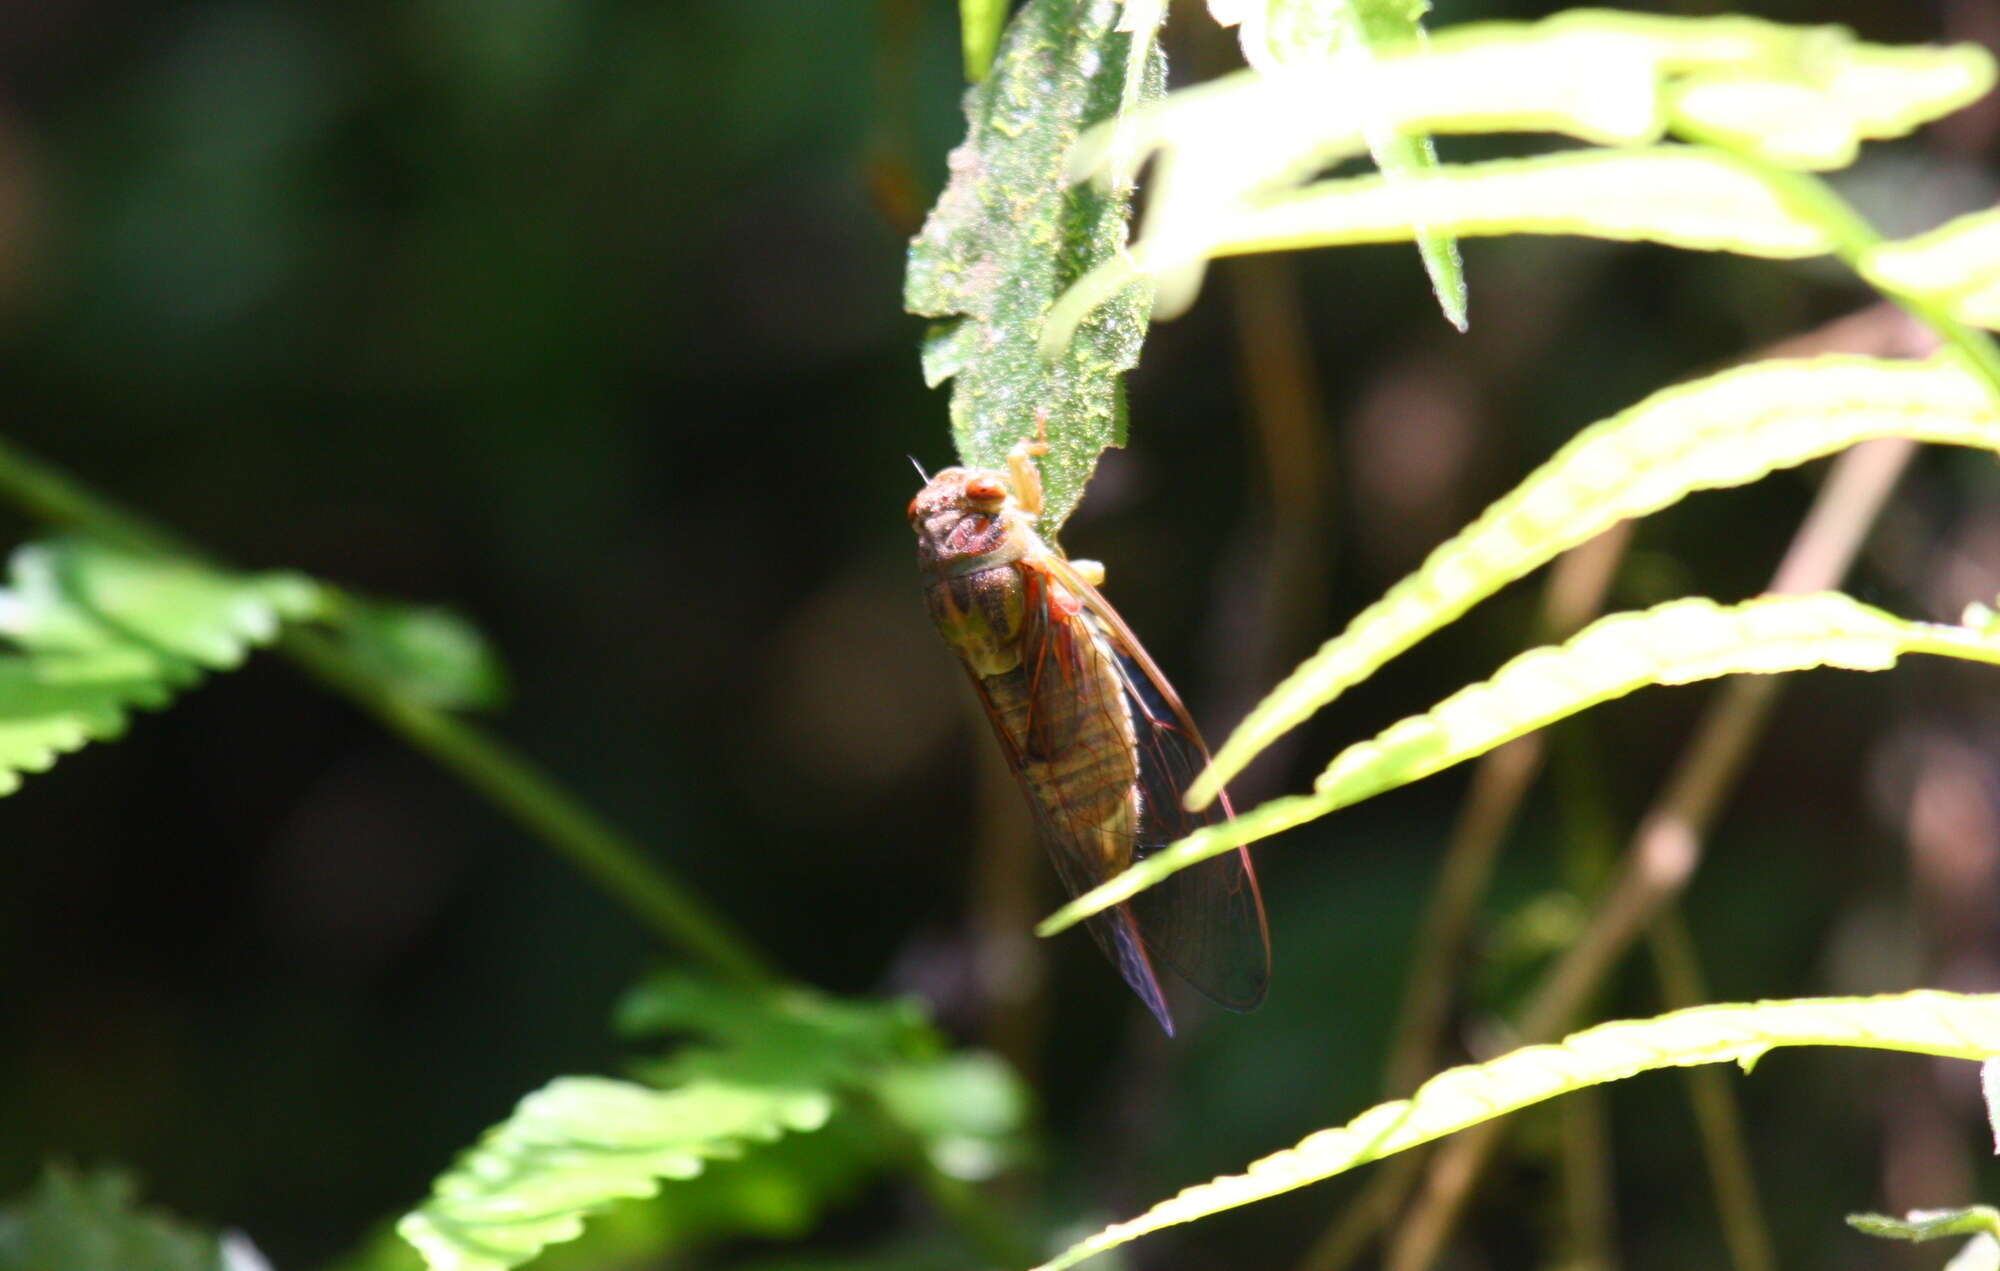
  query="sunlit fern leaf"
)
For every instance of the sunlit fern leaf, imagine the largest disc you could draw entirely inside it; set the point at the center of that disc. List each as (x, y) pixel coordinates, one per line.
(1010, 232)
(766, 1065)
(1927, 1023)
(1692, 197)
(1788, 95)
(1832, 94)
(1726, 430)
(95, 633)
(90, 1220)
(1342, 38)
(1676, 643)
(1955, 266)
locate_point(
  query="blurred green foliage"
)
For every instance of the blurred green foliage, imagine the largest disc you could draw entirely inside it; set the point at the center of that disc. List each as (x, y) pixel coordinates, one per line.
(89, 1221)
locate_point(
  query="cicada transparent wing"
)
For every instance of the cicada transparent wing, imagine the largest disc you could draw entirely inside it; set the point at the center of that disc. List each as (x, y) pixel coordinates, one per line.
(1105, 752)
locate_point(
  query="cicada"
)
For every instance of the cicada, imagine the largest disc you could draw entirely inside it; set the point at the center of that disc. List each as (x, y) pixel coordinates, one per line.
(1101, 746)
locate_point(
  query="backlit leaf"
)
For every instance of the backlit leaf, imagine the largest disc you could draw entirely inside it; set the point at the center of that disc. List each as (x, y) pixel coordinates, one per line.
(1928, 1023)
(1726, 430)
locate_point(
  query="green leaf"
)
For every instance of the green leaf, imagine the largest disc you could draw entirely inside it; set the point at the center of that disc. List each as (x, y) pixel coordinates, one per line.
(1928, 1023)
(581, 1142)
(966, 1108)
(97, 632)
(1679, 196)
(425, 654)
(77, 1221)
(1831, 93)
(768, 1065)
(1790, 95)
(1676, 643)
(1956, 267)
(778, 1191)
(979, 30)
(1690, 197)
(1346, 37)
(1141, 19)
(1726, 430)
(1929, 1224)
(1010, 232)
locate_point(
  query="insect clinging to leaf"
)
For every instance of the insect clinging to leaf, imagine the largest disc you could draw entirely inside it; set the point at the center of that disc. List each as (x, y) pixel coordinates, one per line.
(1097, 738)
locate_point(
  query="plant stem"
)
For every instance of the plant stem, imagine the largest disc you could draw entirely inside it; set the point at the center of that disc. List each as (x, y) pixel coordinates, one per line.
(51, 495)
(607, 857)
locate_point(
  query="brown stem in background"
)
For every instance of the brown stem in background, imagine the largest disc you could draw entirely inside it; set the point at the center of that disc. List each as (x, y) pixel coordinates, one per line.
(1588, 1213)
(889, 167)
(1500, 781)
(1881, 330)
(1715, 1109)
(1286, 560)
(1668, 845)
(1575, 594)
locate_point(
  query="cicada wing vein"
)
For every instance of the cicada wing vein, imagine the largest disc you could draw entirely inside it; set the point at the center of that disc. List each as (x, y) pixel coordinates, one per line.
(1205, 922)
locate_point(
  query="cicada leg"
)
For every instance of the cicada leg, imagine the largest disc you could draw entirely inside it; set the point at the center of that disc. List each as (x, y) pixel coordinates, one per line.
(1091, 571)
(1025, 476)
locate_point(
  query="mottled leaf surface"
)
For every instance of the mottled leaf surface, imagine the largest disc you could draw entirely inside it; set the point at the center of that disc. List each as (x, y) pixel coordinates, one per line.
(1011, 232)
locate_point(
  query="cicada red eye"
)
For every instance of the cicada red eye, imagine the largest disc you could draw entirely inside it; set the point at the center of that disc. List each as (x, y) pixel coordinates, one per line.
(912, 513)
(985, 490)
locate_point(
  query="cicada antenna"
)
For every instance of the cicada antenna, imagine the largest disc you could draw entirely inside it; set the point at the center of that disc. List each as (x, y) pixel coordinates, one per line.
(920, 469)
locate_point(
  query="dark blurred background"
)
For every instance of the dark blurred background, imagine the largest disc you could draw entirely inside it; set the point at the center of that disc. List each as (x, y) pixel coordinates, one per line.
(584, 318)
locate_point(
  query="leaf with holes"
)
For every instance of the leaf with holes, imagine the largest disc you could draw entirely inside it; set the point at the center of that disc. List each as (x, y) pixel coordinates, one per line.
(1011, 231)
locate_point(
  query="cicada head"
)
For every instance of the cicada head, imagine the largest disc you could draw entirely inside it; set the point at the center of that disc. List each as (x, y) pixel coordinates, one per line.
(968, 519)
